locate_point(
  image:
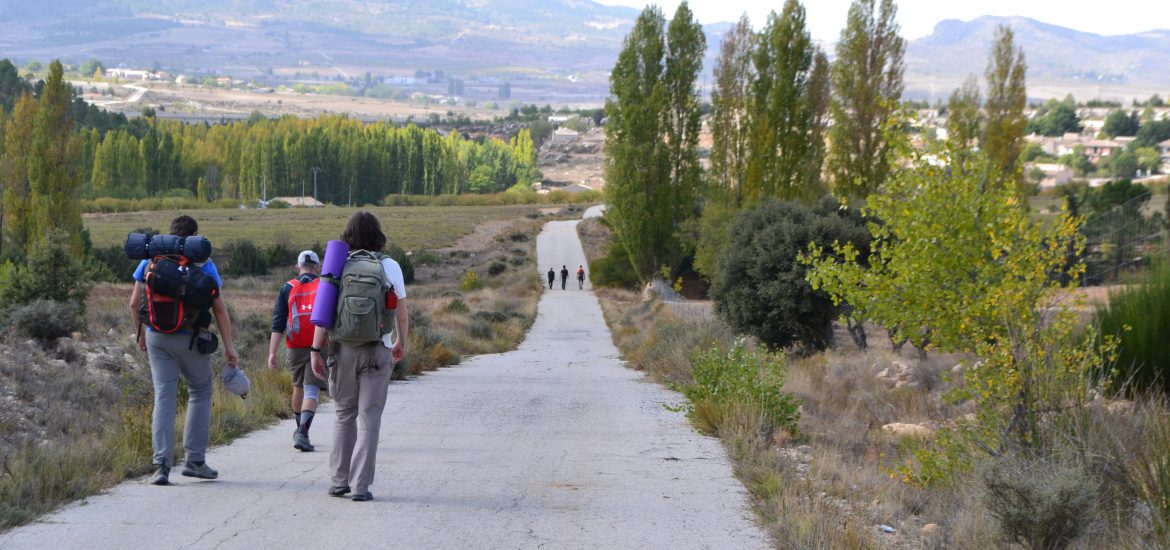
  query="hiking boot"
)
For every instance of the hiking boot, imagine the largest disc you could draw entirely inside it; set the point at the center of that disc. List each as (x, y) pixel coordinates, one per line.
(301, 441)
(338, 490)
(200, 470)
(161, 475)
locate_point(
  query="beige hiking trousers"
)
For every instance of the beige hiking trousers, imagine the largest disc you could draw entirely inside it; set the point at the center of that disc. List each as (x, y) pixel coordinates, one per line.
(358, 382)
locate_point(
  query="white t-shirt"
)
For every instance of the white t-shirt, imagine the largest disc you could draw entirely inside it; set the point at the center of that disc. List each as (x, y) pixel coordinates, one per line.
(394, 275)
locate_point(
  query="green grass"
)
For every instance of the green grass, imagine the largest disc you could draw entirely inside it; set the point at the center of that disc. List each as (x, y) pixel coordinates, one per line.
(411, 227)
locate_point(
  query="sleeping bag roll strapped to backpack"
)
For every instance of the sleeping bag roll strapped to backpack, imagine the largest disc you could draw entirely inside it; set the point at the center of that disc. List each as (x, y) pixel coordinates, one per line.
(140, 246)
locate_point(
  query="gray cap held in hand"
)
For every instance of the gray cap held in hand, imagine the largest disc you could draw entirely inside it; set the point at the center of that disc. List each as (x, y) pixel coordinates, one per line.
(235, 381)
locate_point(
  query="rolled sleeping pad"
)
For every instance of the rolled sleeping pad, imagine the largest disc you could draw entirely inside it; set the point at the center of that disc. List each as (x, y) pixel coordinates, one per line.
(137, 245)
(325, 305)
(195, 248)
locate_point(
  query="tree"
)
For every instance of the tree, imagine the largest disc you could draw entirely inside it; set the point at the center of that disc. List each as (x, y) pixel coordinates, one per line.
(14, 173)
(1120, 124)
(963, 118)
(1003, 135)
(1056, 118)
(958, 262)
(729, 110)
(867, 90)
(685, 46)
(786, 126)
(646, 175)
(760, 286)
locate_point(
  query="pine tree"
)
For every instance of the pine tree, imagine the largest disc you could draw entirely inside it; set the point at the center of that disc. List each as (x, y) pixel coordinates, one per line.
(867, 85)
(729, 110)
(1003, 137)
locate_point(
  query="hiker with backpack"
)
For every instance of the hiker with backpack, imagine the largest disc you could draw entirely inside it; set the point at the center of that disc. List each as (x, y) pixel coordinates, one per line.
(580, 277)
(564, 276)
(367, 338)
(290, 322)
(173, 332)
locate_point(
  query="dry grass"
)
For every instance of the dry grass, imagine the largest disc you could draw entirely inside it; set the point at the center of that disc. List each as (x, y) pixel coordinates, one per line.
(411, 227)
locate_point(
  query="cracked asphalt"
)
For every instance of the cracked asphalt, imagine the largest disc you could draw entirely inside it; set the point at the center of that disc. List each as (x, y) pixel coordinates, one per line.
(554, 445)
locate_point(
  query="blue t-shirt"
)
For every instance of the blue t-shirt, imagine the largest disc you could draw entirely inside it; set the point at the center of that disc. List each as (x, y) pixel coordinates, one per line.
(208, 268)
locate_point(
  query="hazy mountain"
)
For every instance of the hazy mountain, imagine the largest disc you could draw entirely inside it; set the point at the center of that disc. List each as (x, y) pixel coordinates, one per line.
(1056, 56)
(510, 39)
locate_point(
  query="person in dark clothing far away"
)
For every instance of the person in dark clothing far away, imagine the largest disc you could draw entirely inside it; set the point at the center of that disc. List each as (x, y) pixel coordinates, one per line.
(580, 277)
(564, 276)
(552, 277)
(295, 329)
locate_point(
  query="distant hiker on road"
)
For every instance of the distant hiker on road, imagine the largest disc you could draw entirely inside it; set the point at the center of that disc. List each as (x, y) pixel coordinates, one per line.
(364, 346)
(564, 276)
(580, 277)
(290, 322)
(179, 354)
(552, 277)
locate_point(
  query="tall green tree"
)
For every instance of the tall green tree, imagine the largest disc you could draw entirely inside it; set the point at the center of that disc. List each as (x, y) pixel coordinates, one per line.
(54, 176)
(651, 139)
(867, 90)
(685, 46)
(730, 130)
(639, 164)
(14, 174)
(1003, 134)
(786, 128)
(963, 119)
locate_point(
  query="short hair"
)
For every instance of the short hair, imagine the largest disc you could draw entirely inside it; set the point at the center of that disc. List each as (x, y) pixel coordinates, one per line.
(184, 226)
(364, 232)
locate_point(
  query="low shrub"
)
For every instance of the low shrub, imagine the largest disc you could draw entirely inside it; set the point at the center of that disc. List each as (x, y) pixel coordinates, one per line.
(46, 320)
(469, 281)
(1043, 502)
(738, 377)
(244, 259)
(496, 268)
(404, 261)
(613, 270)
(455, 306)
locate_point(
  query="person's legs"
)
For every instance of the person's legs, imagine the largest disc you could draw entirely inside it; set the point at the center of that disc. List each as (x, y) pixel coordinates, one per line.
(343, 386)
(164, 371)
(297, 364)
(196, 370)
(373, 379)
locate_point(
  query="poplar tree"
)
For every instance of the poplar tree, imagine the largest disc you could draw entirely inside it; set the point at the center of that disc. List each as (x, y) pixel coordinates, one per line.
(1003, 134)
(15, 175)
(963, 119)
(638, 163)
(867, 85)
(729, 110)
(786, 127)
(685, 47)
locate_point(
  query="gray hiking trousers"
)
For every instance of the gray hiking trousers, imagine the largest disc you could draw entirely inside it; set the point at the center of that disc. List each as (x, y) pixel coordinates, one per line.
(358, 382)
(170, 359)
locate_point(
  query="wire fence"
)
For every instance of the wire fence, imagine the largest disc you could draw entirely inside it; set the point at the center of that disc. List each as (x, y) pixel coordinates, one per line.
(1124, 241)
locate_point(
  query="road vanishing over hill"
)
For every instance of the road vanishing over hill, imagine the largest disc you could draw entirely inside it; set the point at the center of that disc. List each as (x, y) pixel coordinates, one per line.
(554, 445)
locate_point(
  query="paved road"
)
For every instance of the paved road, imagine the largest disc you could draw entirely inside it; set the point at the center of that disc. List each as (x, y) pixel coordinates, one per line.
(555, 445)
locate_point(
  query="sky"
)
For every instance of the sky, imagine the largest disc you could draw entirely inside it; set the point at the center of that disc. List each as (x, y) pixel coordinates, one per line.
(826, 18)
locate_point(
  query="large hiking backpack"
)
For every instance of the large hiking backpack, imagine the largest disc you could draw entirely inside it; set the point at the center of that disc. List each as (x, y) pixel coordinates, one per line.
(175, 291)
(299, 333)
(363, 315)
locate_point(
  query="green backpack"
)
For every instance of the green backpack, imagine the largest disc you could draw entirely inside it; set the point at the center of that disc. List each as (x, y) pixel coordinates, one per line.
(362, 315)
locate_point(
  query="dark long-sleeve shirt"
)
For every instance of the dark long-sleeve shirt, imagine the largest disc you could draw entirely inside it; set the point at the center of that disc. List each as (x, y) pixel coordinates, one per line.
(280, 310)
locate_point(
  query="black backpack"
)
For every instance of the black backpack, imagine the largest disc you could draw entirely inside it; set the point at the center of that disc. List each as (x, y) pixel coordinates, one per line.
(175, 292)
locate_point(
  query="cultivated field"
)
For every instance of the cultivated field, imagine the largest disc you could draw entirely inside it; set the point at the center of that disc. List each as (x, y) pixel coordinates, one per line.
(411, 227)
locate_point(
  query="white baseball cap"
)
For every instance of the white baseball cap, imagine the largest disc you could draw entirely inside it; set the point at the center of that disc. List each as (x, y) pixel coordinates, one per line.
(307, 257)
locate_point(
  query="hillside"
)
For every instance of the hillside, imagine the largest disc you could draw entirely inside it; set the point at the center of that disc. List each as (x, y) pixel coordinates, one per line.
(1059, 58)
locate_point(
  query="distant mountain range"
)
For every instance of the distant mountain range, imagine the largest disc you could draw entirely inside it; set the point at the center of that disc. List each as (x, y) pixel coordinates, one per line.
(507, 39)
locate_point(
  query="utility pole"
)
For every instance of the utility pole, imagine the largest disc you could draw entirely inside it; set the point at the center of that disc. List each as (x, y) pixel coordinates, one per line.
(302, 191)
(351, 192)
(315, 170)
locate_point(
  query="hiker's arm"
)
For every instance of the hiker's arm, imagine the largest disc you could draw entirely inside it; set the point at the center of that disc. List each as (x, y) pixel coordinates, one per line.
(135, 303)
(224, 323)
(400, 314)
(315, 359)
(273, 344)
